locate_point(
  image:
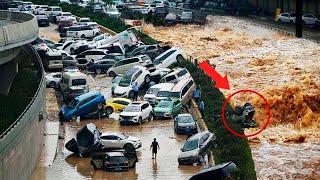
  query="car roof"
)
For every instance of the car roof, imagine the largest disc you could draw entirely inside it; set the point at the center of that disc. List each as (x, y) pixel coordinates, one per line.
(184, 114)
(181, 84)
(197, 136)
(109, 133)
(86, 95)
(72, 74)
(113, 154)
(175, 71)
(163, 85)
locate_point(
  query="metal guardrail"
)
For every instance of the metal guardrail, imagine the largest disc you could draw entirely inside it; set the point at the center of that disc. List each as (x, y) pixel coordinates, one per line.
(40, 68)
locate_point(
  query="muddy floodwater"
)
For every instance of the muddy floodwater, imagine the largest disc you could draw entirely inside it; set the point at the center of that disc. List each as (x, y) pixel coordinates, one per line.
(69, 166)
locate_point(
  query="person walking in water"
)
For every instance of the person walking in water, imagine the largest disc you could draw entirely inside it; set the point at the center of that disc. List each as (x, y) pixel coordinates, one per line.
(155, 146)
(135, 89)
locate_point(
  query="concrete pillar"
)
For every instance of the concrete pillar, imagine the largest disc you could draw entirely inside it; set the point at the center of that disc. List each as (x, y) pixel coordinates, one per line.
(299, 6)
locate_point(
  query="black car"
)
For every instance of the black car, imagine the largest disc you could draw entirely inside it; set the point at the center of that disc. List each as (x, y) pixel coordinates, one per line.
(118, 160)
(100, 66)
(43, 21)
(63, 31)
(185, 124)
(220, 171)
(151, 50)
(161, 12)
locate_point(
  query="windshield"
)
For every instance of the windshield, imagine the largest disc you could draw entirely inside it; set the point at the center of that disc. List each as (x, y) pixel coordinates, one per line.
(122, 136)
(132, 109)
(117, 80)
(78, 82)
(185, 119)
(165, 104)
(153, 91)
(125, 81)
(118, 159)
(190, 145)
(175, 94)
(72, 104)
(114, 57)
(163, 94)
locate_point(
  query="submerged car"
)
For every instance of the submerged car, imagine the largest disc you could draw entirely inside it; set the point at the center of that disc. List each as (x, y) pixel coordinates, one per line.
(136, 112)
(220, 171)
(185, 124)
(114, 161)
(100, 66)
(196, 147)
(87, 141)
(115, 83)
(83, 106)
(116, 104)
(168, 108)
(120, 141)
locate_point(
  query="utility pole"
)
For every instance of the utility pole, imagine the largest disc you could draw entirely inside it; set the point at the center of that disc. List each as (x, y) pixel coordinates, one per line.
(299, 5)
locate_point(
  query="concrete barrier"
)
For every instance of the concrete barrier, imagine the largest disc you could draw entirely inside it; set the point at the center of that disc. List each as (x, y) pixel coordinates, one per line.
(20, 144)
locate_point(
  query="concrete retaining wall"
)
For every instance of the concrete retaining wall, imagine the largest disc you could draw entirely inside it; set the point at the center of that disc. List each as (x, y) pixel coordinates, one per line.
(20, 145)
(18, 29)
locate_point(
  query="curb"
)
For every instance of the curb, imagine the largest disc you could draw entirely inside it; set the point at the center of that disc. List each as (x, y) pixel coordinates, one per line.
(196, 113)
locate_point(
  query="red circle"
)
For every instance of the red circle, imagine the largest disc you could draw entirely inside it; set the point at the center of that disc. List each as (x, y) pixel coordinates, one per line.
(225, 124)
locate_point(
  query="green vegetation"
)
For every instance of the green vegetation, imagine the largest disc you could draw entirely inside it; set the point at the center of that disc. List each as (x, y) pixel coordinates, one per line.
(230, 147)
(23, 88)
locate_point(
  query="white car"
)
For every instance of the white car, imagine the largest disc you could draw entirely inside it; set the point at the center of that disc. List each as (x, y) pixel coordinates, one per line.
(65, 1)
(74, 46)
(66, 16)
(83, 20)
(150, 7)
(136, 112)
(309, 19)
(168, 58)
(52, 79)
(92, 54)
(136, 74)
(122, 66)
(176, 75)
(119, 141)
(40, 10)
(53, 11)
(82, 31)
(100, 40)
(287, 18)
(158, 92)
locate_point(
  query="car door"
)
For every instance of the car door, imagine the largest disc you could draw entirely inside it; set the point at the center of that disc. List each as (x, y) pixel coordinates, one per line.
(109, 141)
(137, 77)
(81, 109)
(145, 112)
(176, 107)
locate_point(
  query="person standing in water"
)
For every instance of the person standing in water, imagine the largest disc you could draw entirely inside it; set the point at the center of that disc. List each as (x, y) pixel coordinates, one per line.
(155, 146)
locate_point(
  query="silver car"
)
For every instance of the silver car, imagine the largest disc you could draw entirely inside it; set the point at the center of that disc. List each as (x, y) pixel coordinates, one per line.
(185, 124)
(196, 147)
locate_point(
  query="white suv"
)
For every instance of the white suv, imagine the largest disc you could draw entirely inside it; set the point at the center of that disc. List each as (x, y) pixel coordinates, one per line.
(168, 58)
(82, 32)
(175, 76)
(53, 11)
(122, 66)
(136, 112)
(119, 141)
(136, 74)
(158, 92)
(66, 16)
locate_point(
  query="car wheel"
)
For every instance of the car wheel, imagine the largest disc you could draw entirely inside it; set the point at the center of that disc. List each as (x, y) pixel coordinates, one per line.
(98, 71)
(63, 56)
(109, 110)
(112, 74)
(129, 148)
(83, 36)
(130, 95)
(147, 79)
(140, 121)
(179, 58)
(97, 34)
(52, 84)
(200, 159)
(72, 51)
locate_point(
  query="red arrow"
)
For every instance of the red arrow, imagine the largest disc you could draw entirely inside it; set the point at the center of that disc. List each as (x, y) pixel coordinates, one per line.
(220, 82)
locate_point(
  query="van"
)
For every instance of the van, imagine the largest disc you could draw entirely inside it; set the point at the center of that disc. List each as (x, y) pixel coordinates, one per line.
(158, 92)
(175, 76)
(53, 61)
(183, 90)
(73, 80)
(122, 66)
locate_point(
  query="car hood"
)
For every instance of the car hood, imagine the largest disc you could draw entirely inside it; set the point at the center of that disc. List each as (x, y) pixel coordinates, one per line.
(122, 90)
(150, 96)
(131, 138)
(161, 109)
(130, 113)
(191, 153)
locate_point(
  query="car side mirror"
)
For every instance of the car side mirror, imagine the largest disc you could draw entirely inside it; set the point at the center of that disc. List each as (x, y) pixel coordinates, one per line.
(200, 145)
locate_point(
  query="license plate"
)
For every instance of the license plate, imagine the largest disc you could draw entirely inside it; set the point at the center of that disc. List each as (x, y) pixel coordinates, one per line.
(118, 169)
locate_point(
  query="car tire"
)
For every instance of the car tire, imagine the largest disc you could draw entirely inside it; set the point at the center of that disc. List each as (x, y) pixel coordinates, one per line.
(140, 121)
(179, 58)
(150, 117)
(63, 55)
(97, 34)
(83, 36)
(109, 110)
(72, 51)
(129, 148)
(112, 74)
(52, 84)
(147, 79)
(200, 159)
(98, 71)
